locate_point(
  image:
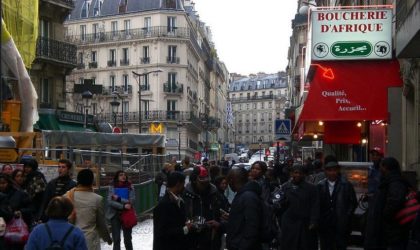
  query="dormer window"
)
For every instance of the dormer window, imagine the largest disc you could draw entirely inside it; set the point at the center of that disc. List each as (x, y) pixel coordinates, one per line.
(169, 4)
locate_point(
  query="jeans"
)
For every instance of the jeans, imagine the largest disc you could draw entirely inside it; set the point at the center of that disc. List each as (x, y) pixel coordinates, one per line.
(116, 234)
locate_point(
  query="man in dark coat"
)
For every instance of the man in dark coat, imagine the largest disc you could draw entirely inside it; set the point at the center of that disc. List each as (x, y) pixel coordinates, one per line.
(338, 202)
(170, 227)
(58, 186)
(245, 217)
(301, 213)
(34, 185)
(202, 206)
(382, 230)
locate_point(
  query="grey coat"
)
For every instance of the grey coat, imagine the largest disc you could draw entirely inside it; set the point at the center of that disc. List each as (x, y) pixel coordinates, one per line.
(116, 206)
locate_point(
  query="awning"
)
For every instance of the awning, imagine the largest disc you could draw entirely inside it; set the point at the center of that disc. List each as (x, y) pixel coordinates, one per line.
(345, 92)
(49, 121)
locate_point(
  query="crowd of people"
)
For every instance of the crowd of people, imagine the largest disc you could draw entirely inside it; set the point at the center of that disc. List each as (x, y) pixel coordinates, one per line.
(313, 206)
(61, 213)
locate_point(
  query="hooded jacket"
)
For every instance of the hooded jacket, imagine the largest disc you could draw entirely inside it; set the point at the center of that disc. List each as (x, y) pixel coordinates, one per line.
(244, 223)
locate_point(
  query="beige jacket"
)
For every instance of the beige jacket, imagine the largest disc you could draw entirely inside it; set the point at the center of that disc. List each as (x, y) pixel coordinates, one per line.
(90, 218)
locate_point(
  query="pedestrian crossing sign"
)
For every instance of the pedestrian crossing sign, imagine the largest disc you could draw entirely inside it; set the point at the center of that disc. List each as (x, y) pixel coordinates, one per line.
(282, 129)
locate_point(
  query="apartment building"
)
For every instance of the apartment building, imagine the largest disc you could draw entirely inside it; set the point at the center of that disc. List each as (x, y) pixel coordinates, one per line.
(257, 101)
(179, 87)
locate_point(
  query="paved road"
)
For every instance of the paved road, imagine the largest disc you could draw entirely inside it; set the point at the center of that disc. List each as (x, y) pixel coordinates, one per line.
(143, 237)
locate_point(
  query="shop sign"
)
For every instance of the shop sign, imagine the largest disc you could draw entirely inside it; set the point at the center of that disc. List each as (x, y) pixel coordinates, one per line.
(65, 116)
(156, 128)
(351, 34)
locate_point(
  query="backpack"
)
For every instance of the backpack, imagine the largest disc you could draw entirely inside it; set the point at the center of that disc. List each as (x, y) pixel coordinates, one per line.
(57, 245)
(269, 225)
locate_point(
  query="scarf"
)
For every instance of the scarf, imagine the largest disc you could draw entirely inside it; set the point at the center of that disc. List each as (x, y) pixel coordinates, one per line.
(70, 195)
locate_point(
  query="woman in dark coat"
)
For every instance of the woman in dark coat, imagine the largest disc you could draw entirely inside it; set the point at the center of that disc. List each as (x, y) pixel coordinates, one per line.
(301, 213)
(13, 203)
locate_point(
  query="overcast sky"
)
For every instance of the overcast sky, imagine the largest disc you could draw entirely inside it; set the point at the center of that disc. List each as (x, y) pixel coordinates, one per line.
(250, 35)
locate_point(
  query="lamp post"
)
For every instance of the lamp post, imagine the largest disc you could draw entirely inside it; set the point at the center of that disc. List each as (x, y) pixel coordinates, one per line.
(260, 143)
(179, 125)
(114, 106)
(87, 99)
(140, 87)
(116, 94)
(306, 5)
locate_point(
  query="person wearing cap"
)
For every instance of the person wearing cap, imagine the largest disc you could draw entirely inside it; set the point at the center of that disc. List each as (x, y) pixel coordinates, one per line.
(202, 204)
(337, 204)
(374, 174)
(301, 212)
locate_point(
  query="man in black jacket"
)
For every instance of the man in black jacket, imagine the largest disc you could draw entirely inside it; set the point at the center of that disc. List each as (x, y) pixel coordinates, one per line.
(245, 217)
(58, 186)
(170, 227)
(382, 230)
(338, 202)
(202, 204)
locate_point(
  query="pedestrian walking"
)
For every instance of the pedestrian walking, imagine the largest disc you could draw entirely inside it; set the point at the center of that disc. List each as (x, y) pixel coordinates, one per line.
(337, 204)
(374, 174)
(120, 197)
(88, 213)
(59, 185)
(383, 231)
(170, 227)
(202, 206)
(245, 217)
(257, 174)
(57, 231)
(221, 184)
(300, 218)
(162, 177)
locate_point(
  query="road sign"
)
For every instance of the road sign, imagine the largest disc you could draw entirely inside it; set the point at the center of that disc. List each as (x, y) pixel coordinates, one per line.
(8, 155)
(283, 129)
(116, 130)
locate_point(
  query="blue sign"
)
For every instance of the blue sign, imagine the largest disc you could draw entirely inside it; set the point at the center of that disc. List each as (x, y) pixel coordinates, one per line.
(283, 129)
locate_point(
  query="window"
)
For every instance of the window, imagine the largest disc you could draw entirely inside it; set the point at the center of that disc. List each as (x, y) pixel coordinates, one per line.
(172, 54)
(171, 109)
(126, 110)
(262, 105)
(125, 58)
(171, 87)
(147, 24)
(95, 30)
(112, 57)
(271, 93)
(146, 84)
(248, 95)
(83, 32)
(254, 105)
(127, 26)
(247, 106)
(270, 105)
(240, 106)
(45, 91)
(125, 82)
(114, 28)
(44, 28)
(94, 108)
(112, 83)
(146, 57)
(80, 57)
(171, 23)
(85, 9)
(263, 93)
(93, 56)
(270, 127)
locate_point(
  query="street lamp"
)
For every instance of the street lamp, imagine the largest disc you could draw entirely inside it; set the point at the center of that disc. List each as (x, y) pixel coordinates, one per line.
(260, 143)
(179, 125)
(114, 106)
(140, 87)
(87, 99)
(116, 94)
(303, 10)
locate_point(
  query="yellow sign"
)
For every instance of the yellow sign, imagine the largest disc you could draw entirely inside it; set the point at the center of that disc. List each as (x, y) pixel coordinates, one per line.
(8, 155)
(156, 128)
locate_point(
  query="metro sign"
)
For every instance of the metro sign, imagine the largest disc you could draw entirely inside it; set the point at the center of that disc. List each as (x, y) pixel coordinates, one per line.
(351, 34)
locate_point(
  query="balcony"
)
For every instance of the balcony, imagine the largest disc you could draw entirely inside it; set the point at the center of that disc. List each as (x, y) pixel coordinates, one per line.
(153, 116)
(93, 65)
(56, 52)
(172, 60)
(173, 88)
(80, 66)
(122, 90)
(248, 98)
(145, 60)
(112, 63)
(131, 34)
(124, 62)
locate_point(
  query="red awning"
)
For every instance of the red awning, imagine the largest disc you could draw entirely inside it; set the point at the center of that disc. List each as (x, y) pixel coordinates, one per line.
(342, 91)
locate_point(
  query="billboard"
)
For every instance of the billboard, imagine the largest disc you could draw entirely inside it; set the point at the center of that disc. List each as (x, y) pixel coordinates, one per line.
(351, 34)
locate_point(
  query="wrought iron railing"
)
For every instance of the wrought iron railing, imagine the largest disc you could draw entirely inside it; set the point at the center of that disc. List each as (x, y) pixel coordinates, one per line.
(58, 51)
(172, 60)
(154, 116)
(261, 97)
(139, 33)
(145, 60)
(173, 88)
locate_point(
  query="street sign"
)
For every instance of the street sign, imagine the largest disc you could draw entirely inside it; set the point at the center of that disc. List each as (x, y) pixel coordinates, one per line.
(116, 130)
(351, 34)
(8, 155)
(283, 129)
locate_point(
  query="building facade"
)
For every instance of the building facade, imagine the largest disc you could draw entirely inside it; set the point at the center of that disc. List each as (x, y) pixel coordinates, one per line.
(257, 101)
(179, 87)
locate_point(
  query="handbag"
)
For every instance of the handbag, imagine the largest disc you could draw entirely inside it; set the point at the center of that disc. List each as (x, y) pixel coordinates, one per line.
(16, 232)
(128, 218)
(409, 212)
